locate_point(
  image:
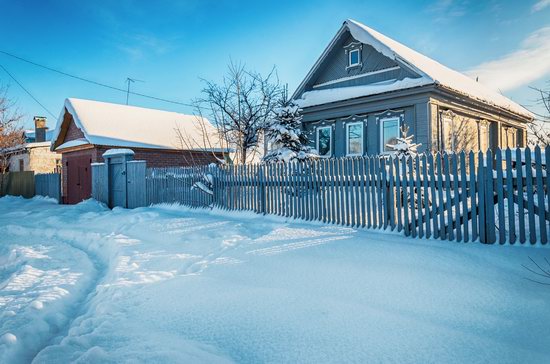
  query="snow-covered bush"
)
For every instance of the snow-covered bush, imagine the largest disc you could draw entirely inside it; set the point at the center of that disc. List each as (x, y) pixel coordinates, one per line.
(288, 141)
(405, 149)
(404, 146)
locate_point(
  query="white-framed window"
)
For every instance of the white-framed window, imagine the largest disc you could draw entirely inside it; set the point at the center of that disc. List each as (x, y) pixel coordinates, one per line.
(324, 141)
(389, 132)
(354, 138)
(483, 136)
(354, 57)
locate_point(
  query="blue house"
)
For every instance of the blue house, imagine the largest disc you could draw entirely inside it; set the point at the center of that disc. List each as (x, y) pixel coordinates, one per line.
(365, 86)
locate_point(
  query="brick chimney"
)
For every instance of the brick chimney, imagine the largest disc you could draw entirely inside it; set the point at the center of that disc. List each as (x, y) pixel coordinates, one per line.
(40, 129)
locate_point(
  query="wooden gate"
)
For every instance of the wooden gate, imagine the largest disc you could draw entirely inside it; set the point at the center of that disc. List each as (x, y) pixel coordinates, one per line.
(79, 179)
(135, 183)
(117, 182)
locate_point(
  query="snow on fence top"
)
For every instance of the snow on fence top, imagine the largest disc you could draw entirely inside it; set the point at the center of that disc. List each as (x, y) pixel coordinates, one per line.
(130, 126)
(432, 72)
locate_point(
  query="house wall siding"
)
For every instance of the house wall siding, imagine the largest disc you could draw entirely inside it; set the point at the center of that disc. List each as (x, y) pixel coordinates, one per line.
(37, 159)
(467, 119)
(15, 161)
(411, 110)
(42, 160)
(335, 66)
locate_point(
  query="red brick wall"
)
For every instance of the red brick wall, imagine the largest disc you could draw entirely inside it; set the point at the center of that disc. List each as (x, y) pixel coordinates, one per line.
(73, 132)
(166, 158)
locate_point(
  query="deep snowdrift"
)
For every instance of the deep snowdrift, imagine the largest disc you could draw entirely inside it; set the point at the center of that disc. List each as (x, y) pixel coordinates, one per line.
(169, 284)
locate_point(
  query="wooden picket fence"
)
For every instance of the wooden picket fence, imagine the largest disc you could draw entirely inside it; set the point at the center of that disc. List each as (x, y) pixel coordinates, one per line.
(17, 184)
(48, 185)
(27, 184)
(175, 184)
(502, 197)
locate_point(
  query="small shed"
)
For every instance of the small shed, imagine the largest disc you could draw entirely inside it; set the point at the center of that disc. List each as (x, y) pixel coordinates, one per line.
(86, 129)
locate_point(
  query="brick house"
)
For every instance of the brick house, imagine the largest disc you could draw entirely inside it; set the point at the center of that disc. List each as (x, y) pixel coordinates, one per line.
(34, 154)
(86, 129)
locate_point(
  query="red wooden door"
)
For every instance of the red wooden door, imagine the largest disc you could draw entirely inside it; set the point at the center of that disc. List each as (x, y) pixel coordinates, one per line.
(79, 179)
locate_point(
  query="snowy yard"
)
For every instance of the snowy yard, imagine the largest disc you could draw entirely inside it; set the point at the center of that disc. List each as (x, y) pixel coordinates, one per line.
(168, 284)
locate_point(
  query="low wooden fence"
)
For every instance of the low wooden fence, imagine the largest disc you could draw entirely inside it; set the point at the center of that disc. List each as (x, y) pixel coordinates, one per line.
(48, 184)
(17, 184)
(27, 184)
(169, 185)
(461, 197)
(502, 197)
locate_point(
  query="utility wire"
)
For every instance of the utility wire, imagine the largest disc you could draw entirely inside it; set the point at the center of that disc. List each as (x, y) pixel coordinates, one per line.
(92, 81)
(27, 91)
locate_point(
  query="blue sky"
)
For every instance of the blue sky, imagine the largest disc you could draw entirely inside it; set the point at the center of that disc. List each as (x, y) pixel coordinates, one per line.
(171, 45)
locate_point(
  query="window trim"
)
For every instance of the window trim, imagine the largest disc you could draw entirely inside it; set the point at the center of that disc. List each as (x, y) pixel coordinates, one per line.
(451, 117)
(381, 123)
(317, 141)
(511, 137)
(348, 154)
(358, 50)
(483, 124)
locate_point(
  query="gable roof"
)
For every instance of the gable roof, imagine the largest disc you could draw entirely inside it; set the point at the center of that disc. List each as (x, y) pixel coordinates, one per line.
(431, 72)
(118, 125)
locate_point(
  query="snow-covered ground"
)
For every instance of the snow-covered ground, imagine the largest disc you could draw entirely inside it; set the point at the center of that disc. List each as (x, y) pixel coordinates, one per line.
(168, 284)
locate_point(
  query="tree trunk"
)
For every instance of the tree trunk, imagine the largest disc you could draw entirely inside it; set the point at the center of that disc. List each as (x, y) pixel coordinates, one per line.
(243, 155)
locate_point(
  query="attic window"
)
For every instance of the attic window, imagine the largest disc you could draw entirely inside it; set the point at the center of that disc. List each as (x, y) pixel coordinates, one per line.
(354, 57)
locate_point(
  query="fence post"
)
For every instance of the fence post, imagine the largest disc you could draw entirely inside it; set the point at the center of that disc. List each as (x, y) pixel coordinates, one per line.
(489, 200)
(262, 189)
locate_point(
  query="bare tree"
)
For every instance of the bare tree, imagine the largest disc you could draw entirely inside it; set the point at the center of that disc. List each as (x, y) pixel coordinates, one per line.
(539, 130)
(204, 137)
(11, 133)
(241, 106)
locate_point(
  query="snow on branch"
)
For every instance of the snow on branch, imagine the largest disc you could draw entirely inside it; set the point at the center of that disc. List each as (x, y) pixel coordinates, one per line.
(405, 147)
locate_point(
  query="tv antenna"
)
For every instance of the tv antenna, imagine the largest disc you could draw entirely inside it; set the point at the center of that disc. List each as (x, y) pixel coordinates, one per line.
(129, 81)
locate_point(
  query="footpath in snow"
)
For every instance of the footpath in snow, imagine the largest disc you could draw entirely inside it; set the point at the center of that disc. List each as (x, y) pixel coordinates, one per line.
(168, 284)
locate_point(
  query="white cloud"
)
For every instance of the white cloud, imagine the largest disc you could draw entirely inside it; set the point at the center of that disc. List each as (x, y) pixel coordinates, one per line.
(443, 10)
(521, 67)
(539, 5)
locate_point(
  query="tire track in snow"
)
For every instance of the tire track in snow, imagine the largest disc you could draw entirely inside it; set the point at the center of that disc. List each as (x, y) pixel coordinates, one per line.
(81, 305)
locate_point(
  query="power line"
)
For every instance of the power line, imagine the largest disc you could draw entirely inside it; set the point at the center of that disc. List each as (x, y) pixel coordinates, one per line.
(92, 81)
(27, 91)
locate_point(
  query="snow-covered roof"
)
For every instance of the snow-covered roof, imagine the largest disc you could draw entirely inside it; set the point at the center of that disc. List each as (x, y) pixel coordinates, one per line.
(118, 125)
(319, 97)
(26, 146)
(73, 143)
(432, 72)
